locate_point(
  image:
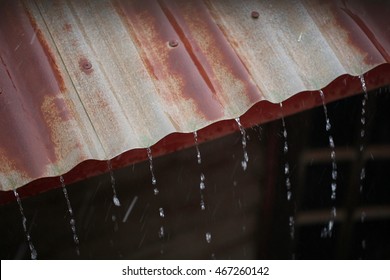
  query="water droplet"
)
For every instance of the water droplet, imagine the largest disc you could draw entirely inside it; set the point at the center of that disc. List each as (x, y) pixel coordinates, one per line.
(328, 125)
(288, 183)
(202, 205)
(289, 195)
(198, 156)
(244, 165)
(155, 191)
(285, 148)
(334, 175)
(334, 187)
(34, 254)
(202, 185)
(208, 237)
(291, 223)
(364, 244)
(362, 174)
(161, 211)
(161, 232)
(286, 168)
(331, 142)
(116, 201)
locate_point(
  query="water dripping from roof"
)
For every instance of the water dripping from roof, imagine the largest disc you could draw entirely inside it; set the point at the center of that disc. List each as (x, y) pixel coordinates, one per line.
(202, 184)
(154, 181)
(198, 156)
(327, 231)
(244, 162)
(161, 212)
(361, 149)
(115, 198)
(291, 219)
(33, 252)
(72, 220)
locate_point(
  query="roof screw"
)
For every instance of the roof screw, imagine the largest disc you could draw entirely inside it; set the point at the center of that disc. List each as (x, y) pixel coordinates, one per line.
(87, 65)
(255, 14)
(173, 43)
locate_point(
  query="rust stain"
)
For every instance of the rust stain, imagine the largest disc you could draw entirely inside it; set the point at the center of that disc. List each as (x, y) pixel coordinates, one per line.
(46, 48)
(350, 22)
(32, 75)
(184, 38)
(173, 66)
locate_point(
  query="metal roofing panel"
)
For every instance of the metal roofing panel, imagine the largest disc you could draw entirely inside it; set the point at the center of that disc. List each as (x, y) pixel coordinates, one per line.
(92, 79)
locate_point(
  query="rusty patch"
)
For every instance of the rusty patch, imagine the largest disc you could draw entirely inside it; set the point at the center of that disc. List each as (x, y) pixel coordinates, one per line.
(173, 67)
(350, 22)
(47, 50)
(32, 75)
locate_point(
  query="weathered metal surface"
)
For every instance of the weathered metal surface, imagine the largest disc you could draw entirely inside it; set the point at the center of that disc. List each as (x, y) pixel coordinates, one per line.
(94, 80)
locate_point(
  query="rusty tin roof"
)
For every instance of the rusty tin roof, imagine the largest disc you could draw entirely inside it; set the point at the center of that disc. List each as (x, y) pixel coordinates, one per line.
(83, 80)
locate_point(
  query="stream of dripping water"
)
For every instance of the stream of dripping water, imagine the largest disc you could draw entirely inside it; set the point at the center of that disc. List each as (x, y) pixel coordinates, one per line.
(291, 219)
(161, 231)
(244, 162)
(361, 149)
(72, 220)
(328, 230)
(24, 223)
(202, 185)
(115, 198)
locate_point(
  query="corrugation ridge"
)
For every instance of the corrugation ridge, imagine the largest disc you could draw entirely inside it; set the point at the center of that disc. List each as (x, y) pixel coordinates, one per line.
(366, 30)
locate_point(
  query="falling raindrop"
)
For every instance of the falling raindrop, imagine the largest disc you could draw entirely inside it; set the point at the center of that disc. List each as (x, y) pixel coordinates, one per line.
(328, 230)
(208, 237)
(291, 220)
(154, 181)
(197, 148)
(115, 198)
(161, 210)
(292, 227)
(33, 252)
(202, 204)
(161, 232)
(156, 192)
(72, 221)
(202, 185)
(244, 162)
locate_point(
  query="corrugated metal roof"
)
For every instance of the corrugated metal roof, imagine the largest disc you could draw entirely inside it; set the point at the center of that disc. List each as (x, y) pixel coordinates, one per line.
(92, 79)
